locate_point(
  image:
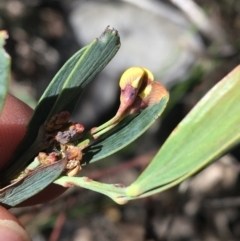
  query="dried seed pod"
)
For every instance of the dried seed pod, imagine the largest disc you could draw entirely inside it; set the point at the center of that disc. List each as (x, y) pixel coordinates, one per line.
(63, 117)
(71, 164)
(47, 159)
(73, 172)
(65, 137)
(79, 128)
(57, 121)
(74, 152)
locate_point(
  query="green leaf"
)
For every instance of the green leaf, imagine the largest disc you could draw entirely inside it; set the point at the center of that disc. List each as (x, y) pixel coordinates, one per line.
(31, 184)
(62, 95)
(4, 70)
(124, 133)
(206, 133)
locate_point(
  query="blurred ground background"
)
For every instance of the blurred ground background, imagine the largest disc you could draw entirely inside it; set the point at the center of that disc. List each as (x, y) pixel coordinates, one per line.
(189, 48)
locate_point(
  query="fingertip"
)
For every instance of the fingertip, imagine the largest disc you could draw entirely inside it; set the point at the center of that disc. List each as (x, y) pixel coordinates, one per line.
(10, 228)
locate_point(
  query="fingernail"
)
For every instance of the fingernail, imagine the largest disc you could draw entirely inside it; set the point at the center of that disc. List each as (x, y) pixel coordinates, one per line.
(12, 231)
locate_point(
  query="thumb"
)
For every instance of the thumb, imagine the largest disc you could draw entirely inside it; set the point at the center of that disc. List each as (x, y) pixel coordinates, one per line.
(10, 228)
(13, 121)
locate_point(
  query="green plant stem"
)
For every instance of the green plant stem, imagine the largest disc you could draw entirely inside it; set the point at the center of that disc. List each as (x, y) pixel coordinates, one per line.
(114, 191)
(105, 126)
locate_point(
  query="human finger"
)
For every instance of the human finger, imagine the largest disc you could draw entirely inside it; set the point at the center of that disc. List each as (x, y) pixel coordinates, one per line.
(10, 228)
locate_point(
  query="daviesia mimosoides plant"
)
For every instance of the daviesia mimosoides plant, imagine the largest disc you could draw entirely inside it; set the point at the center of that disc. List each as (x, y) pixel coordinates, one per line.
(54, 147)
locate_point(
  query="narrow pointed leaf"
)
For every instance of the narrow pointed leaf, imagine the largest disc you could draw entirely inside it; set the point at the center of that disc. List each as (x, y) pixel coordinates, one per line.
(208, 131)
(4, 70)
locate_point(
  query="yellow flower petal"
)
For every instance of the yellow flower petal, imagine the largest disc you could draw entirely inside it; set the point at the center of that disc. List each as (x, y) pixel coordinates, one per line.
(146, 91)
(132, 76)
(149, 74)
(146, 80)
